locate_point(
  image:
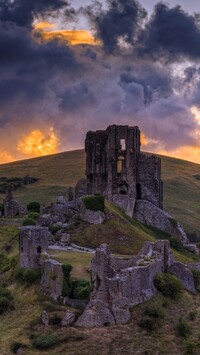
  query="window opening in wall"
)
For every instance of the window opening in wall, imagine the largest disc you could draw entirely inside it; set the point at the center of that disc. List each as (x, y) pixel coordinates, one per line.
(138, 191)
(39, 250)
(122, 189)
(120, 164)
(123, 144)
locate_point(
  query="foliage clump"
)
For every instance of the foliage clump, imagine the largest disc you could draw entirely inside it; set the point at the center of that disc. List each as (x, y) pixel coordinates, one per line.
(16, 346)
(183, 328)
(45, 341)
(147, 323)
(29, 222)
(94, 203)
(6, 300)
(175, 243)
(67, 283)
(81, 289)
(169, 285)
(33, 215)
(33, 207)
(155, 310)
(28, 276)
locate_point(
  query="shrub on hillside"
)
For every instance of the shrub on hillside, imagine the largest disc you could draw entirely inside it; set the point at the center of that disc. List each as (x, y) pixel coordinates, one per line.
(175, 243)
(33, 215)
(28, 276)
(7, 262)
(29, 222)
(81, 289)
(67, 284)
(147, 323)
(169, 285)
(183, 328)
(155, 310)
(45, 341)
(94, 203)
(16, 346)
(33, 207)
(6, 300)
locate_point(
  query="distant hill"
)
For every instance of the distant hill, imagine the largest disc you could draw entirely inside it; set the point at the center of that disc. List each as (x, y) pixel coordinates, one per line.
(56, 172)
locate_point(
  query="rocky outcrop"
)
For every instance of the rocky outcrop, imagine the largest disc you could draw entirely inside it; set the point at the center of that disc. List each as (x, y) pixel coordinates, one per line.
(149, 214)
(68, 319)
(81, 188)
(14, 208)
(96, 314)
(126, 203)
(184, 275)
(92, 217)
(52, 279)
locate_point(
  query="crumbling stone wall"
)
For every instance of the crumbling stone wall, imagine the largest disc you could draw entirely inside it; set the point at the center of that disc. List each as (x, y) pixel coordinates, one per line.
(33, 242)
(119, 284)
(116, 168)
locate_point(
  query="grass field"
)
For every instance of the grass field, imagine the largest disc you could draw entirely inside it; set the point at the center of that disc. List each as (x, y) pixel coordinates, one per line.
(124, 236)
(56, 172)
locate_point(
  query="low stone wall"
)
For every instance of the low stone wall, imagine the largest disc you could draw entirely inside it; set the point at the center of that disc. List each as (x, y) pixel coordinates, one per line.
(119, 284)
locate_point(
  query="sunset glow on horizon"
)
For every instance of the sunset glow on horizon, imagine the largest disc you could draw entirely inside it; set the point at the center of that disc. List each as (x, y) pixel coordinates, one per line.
(37, 143)
(73, 37)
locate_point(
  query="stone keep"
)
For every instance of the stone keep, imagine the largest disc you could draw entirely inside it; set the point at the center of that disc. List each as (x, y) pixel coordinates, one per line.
(117, 168)
(33, 241)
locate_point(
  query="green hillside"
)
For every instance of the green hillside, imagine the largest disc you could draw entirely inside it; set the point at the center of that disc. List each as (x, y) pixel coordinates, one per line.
(55, 172)
(22, 324)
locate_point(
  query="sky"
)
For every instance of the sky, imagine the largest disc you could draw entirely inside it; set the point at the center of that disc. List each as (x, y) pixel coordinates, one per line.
(66, 68)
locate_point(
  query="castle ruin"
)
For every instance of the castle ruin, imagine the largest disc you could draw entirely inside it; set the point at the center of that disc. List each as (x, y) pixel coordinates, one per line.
(116, 168)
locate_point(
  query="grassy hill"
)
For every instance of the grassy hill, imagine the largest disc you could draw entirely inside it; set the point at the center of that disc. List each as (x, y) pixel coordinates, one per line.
(22, 323)
(56, 172)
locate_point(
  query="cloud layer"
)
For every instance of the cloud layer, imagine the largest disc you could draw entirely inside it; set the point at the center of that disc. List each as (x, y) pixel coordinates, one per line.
(143, 71)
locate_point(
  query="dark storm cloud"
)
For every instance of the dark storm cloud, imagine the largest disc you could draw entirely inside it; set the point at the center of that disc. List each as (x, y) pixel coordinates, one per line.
(23, 12)
(122, 20)
(76, 89)
(171, 33)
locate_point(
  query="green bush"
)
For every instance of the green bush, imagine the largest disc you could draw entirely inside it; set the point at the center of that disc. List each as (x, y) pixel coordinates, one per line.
(33, 207)
(196, 277)
(81, 289)
(175, 243)
(45, 341)
(173, 222)
(169, 285)
(147, 323)
(15, 346)
(94, 203)
(56, 320)
(190, 347)
(33, 215)
(29, 222)
(7, 262)
(28, 276)
(155, 310)
(67, 284)
(6, 300)
(183, 328)
(54, 229)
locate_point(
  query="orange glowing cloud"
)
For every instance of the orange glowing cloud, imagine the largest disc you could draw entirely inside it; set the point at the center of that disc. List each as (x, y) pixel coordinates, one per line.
(73, 37)
(5, 157)
(38, 143)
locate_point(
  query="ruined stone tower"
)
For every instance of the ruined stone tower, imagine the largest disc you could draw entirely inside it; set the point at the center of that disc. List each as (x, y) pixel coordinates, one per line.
(117, 168)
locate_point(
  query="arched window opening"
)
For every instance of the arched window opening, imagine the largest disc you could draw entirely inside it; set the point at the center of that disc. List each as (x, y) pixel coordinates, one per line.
(123, 144)
(120, 164)
(138, 192)
(39, 250)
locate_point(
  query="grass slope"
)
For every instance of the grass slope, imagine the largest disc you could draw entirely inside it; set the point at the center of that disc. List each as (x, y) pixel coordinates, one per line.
(55, 172)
